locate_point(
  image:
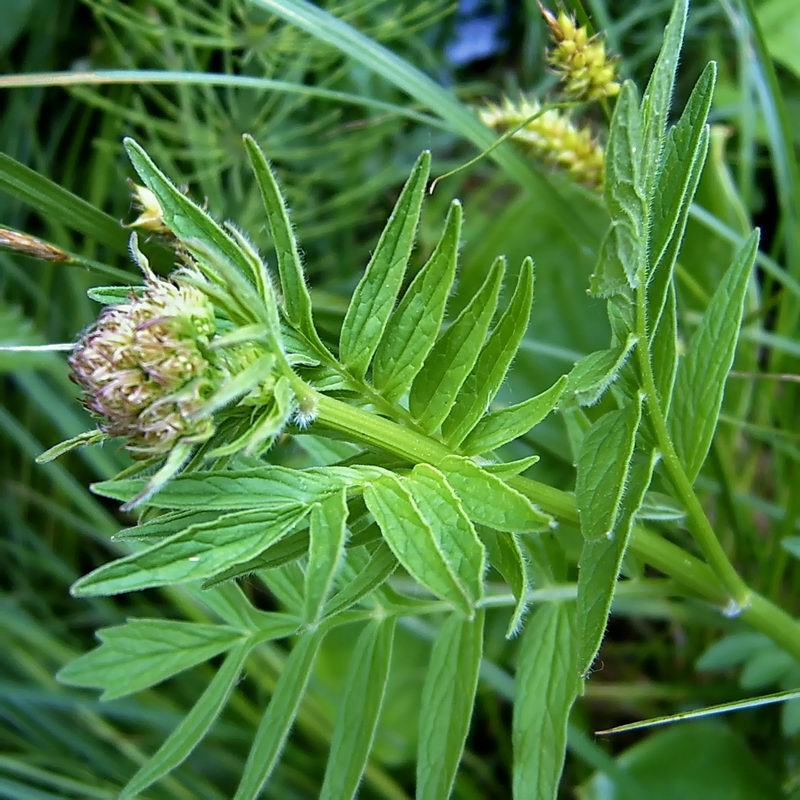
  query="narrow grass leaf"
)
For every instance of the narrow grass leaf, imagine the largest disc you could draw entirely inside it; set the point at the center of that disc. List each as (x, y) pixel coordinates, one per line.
(506, 556)
(327, 534)
(599, 566)
(414, 325)
(448, 364)
(374, 297)
(412, 540)
(657, 98)
(700, 382)
(591, 377)
(196, 553)
(501, 427)
(708, 711)
(489, 501)
(603, 466)
(144, 652)
(359, 709)
(296, 298)
(194, 726)
(54, 202)
(489, 372)
(279, 716)
(382, 564)
(546, 686)
(448, 696)
(455, 537)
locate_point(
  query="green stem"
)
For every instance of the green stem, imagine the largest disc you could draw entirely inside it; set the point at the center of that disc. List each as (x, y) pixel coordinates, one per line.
(699, 524)
(687, 571)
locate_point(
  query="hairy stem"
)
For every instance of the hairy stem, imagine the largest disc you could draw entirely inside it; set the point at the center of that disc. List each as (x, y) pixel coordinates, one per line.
(699, 525)
(695, 577)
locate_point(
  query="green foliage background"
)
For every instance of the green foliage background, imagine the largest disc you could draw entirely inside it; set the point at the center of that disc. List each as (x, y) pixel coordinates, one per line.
(343, 124)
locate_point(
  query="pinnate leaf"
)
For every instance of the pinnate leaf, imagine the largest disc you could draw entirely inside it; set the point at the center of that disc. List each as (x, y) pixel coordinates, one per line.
(414, 324)
(196, 553)
(546, 686)
(600, 563)
(278, 717)
(413, 541)
(448, 696)
(490, 501)
(603, 466)
(194, 726)
(327, 534)
(503, 426)
(437, 386)
(486, 377)
(359, 709)
(376, 293)
(144, 652)
(700, 382)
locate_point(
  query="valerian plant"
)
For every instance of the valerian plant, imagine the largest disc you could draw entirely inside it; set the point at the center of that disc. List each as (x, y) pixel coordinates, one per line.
(205, 373)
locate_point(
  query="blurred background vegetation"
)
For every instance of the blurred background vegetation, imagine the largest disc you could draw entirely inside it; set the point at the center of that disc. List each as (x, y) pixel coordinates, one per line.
(342, 138)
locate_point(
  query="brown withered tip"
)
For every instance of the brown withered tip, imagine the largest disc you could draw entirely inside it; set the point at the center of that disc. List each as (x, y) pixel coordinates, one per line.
(31, 246)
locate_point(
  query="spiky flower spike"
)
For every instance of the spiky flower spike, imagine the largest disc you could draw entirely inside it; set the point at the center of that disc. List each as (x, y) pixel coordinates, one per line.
(586, 70)
(550, 136)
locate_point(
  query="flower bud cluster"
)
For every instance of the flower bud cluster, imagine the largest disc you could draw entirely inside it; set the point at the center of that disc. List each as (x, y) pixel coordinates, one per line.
(550, 136)
(145, 367)
(586, 71)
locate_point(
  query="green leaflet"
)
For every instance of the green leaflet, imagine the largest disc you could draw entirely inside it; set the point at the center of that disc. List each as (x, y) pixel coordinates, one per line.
(193, 727)
(455, 537)
(437, 386)
(327, 534)
(505, 555)
(622, 252)
(593, 374)
(413, 541)
(489, 372)
(414, 325)
(296, 299)
(81, 440)
(510, 469)
(375, 294)
(658, 96)
(684, 154)
(165, 525)
(258, 488)
(664, 351)
(381, 565)
(285, 583)
(603, 466)
(546, 686)
(600, 564)
(700, 382)
(196, 553)
(113, 295)
(278, 717)
(448, 696)
(144, 652)
(503, 426)
(490, 501)
(359, 709)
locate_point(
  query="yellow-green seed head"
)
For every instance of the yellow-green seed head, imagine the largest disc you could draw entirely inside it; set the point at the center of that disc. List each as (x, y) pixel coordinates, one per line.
(586, 71)
(551, 137)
